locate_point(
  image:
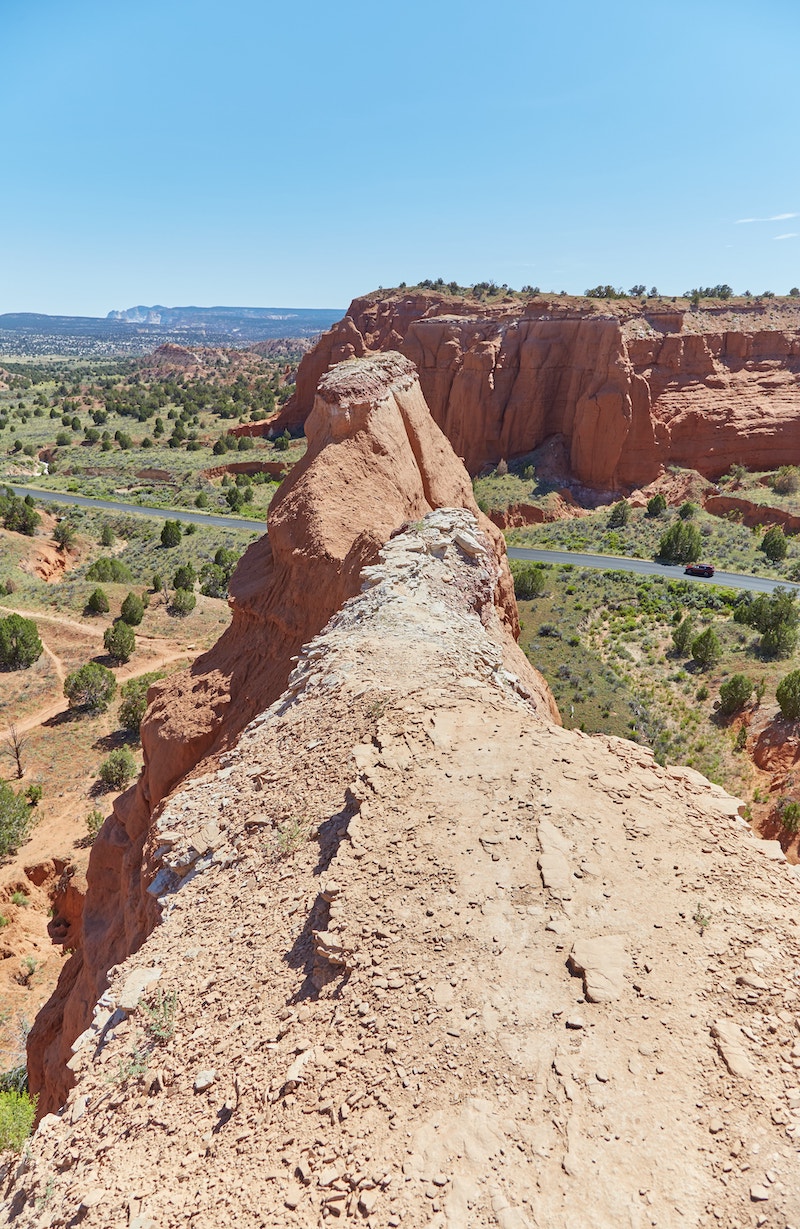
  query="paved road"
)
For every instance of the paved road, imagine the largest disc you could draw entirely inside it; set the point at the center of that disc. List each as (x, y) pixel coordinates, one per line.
(731, 580)
(618, 563)
(172, 514)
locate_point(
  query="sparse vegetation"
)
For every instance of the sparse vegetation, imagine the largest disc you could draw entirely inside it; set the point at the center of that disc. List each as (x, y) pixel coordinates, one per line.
(119, 641)
(15, 819)
(20, 645)
(118, 769)
(134, 700)
(90, 688)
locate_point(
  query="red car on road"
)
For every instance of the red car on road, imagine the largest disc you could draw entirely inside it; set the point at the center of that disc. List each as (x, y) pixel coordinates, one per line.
(699, 569)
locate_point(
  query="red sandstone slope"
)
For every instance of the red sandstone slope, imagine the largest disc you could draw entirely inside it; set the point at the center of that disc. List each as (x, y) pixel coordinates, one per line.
(631, 388)
(375, 460)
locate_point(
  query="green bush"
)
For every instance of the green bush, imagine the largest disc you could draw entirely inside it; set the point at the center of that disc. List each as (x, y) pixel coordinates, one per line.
(183, 602)
(214, 582)
(20, 645)
(683, 634)
(34, 795)
(790, 815)
(786, 480)
(15, 819)
(706, 648)
(734, 693)
(184, 577)
(681, 543)
(118, 768)
(529, 580)
(97, 602)
(91, 687)
(119, 641)
(620, 514)
(108, 570)
(687, 511)
(656, 505)
(171, 533)
(788, 696)
(64, 535)
(107, 536)
(134, 700)
(94, 822)
(17, 1112)
(132, 611)
(774, 544)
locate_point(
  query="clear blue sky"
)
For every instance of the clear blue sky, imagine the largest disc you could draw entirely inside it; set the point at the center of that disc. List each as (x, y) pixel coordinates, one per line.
(251, 153)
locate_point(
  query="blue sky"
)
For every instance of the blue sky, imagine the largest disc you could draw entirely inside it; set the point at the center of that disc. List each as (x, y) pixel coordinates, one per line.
(297, 155)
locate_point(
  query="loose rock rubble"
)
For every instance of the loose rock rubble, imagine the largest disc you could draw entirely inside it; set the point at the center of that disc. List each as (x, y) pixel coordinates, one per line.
(428, 960)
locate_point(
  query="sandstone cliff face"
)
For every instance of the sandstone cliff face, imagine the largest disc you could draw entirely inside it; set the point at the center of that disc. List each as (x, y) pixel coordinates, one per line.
(428, 960)
(375, 460)
(632, 390)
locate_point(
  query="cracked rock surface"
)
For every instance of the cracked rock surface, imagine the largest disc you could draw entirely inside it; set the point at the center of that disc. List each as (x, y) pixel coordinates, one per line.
(427, 959)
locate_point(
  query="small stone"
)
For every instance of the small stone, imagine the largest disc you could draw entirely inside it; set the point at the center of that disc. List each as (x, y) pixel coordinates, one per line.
(391, 1047)
(204, 1080)
(759, 1194)
(93, 1197)
(293, 1196)
(716, 1126)
(367, 1201)
(575, 1022)
(439, 1180)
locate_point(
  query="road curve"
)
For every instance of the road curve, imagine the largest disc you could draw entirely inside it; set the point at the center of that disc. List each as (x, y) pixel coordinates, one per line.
(619, 563)
(645, 567)
(166, 514)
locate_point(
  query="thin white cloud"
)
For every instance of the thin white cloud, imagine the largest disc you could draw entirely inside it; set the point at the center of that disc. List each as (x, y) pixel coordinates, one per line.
(792, 234)
(776, 217)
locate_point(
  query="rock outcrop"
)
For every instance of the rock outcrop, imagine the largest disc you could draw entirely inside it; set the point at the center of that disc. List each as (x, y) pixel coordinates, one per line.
(375, 460)
(631, 388)
(429, 960)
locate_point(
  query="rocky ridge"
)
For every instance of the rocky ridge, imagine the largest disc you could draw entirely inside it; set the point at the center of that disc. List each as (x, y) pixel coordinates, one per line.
(375, 460)
(428, 959)
(629, 387)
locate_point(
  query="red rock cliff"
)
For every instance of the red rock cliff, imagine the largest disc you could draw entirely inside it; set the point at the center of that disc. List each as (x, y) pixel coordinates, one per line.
(375, 460)
(631, 388)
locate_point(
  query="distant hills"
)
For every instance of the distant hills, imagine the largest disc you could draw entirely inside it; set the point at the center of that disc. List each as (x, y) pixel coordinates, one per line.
(138, 330)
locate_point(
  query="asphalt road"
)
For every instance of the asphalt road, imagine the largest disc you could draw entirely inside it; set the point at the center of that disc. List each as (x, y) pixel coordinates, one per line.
(645, 567)
(619, 563)
(171, 514)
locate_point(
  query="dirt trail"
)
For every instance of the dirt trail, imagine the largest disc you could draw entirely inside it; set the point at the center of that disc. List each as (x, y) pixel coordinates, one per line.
(429, 961)
(122, 675)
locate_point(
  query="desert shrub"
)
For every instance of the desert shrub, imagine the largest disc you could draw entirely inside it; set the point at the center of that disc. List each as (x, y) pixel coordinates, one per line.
(17, 1112)
(681, 543)
(107, 536)
(683, 634)
(776, 616)
(119, 641)
(529, 581)
(171, 533)
(734, 694)
(97, 602)
(183, 602)
(620, 514)
(19, 515)
(94, 822)
(132, 611)
(706, 648)
(774, 544)
(789, 813)
(15, 819)
(788, 696)
(91, 687)
(64, 535)
(34, 795)
(118, 768)
(687, 511)
(134, 700)
(184, 577)
(108, 570)
(656, 505)
(213, 581)
(20, 645)
(786, 480)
